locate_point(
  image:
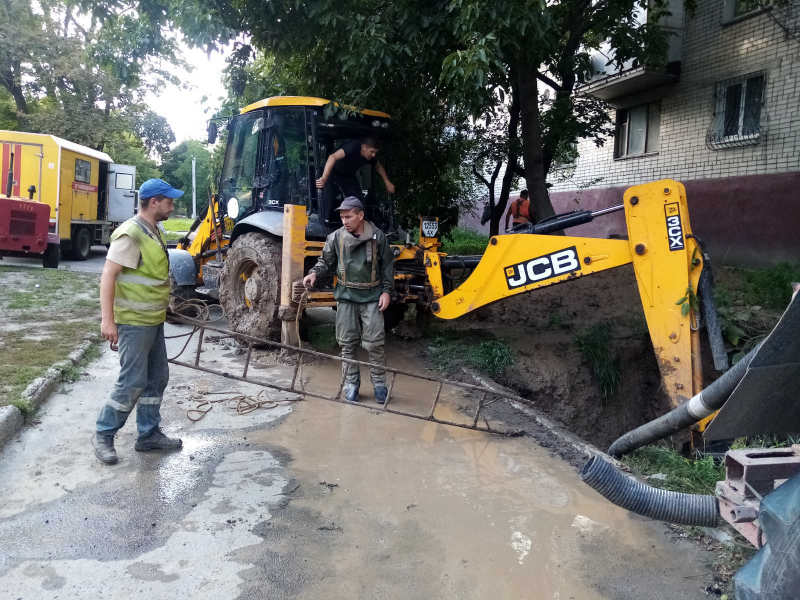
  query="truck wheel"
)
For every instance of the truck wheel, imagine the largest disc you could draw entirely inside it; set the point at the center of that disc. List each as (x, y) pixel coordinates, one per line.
(81, 244)
(250, 286)
(51, 256)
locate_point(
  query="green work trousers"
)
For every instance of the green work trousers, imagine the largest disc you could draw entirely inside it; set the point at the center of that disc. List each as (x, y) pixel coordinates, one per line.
(358, 323)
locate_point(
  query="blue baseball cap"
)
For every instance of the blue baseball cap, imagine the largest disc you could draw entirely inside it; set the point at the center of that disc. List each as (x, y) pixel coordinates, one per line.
(158, 187)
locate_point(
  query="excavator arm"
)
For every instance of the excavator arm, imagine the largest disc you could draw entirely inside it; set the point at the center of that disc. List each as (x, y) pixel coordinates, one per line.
(667, 262)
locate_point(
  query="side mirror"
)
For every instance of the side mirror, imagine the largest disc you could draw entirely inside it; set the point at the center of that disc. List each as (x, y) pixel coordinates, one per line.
(212, 132)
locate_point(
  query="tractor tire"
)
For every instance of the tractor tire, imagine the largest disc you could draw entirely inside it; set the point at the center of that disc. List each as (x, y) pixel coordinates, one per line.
(51, 256)
(181, 292)
(81, 244)
(250, 286)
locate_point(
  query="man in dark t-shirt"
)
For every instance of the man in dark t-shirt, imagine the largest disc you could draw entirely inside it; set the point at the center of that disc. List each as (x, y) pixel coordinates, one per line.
(341, 167)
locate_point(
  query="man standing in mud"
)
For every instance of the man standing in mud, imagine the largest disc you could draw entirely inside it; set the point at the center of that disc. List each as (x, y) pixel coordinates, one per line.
(134, 294)
(364, 265)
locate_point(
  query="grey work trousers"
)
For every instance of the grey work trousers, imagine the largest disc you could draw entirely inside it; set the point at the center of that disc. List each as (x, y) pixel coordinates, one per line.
(361, 324)
(143, 376)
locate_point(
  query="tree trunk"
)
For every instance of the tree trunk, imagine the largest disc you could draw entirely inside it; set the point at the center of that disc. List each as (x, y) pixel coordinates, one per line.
(513, 155)
(532, 143)
(19, 99)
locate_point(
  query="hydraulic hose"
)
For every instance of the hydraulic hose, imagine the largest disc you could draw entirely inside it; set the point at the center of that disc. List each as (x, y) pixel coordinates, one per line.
(687, 414)
(663, 505)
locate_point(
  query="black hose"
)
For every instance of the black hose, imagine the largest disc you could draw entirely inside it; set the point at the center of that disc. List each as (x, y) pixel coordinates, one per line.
(624, 491)
(687, 414)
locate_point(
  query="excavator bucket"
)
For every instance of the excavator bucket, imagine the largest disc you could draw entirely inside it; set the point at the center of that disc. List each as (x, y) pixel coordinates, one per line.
(767, 398)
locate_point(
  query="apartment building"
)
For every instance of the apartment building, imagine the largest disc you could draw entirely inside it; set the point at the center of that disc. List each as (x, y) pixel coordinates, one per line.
(723, 117)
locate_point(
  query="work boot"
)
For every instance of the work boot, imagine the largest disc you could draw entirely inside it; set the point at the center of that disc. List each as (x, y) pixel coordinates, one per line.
(104, 448)
(351, 393)
(157, 441)
(381, 393)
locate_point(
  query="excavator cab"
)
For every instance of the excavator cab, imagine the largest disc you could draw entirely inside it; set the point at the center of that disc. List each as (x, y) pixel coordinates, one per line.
(275, 154)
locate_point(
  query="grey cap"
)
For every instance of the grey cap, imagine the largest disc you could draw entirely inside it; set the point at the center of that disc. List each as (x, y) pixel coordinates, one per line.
(351, 202)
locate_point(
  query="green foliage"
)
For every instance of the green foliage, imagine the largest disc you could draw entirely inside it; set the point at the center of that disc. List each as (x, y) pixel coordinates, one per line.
(464, 242)
(698, 476)
(595, 345)
(26, 407)
(81, 70)
(690, 301)
(771, 288)
(447, 350)
(177, 169)
(127, 149)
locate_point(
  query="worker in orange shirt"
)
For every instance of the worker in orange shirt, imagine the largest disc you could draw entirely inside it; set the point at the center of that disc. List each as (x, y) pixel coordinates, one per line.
(520, 210)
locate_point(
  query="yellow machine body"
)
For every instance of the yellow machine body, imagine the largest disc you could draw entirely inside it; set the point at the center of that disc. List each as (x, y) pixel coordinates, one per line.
(666, 261)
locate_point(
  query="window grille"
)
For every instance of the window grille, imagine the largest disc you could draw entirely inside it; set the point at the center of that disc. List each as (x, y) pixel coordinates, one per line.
(739, 113)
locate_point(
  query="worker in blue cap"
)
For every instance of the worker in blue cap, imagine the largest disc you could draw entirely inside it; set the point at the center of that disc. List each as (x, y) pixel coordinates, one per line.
(134, 294)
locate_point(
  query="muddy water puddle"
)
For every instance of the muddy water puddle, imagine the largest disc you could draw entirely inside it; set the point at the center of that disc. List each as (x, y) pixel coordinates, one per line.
(382, 505)
(472, 514)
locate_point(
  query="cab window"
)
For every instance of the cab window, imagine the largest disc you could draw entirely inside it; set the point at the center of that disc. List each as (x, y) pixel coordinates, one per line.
(83, 171)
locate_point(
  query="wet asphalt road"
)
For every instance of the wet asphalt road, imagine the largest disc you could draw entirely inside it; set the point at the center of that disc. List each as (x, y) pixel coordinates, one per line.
(311, 500)
(94, 264)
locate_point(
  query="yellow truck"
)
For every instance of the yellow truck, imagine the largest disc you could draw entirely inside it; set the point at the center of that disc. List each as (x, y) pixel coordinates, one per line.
(87, 193)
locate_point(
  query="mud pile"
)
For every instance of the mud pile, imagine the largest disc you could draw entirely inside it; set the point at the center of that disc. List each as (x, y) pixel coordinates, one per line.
(541, 328)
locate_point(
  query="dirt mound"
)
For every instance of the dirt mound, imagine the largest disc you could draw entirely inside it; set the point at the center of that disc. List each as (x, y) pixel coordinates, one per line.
(549, 368)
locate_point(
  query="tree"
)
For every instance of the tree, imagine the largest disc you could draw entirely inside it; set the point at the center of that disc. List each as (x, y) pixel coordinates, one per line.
(126, 148)
(434, 143)
(478, 56)
(79, 69)
(177, 168)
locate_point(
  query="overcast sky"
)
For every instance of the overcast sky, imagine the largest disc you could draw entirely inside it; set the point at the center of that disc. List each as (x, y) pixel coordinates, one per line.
(182, 107)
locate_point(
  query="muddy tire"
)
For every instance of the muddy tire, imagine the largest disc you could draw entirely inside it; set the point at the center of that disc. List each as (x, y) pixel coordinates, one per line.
(250, 286)
(81, 244)
(181, 292)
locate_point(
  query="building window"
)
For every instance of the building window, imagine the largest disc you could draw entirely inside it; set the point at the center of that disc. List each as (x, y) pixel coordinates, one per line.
(638, 130)
(83, 171)
(735, 10)
(738, 107)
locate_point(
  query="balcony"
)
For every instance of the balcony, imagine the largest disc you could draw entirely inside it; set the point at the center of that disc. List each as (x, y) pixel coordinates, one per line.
(615, 84)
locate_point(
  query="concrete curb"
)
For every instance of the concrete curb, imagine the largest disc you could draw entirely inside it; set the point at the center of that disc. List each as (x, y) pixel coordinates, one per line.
(11, 421)
(547, 423)
(11, 418)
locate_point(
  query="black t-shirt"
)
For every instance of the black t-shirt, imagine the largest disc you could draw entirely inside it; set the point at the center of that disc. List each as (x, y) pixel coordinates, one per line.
(352, 161)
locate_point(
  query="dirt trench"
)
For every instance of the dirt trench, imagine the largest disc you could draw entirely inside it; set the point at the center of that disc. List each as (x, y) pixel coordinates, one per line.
(541, 327)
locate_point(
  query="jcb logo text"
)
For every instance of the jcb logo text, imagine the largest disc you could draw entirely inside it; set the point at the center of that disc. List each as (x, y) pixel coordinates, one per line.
(674, 227)
(542, 268)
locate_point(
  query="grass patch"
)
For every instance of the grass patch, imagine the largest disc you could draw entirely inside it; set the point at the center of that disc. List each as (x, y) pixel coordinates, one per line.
(177, 224)
(698, 476)
(448, 350)
(771, 287)
(46, 315)
(594, 344)
(464, 241)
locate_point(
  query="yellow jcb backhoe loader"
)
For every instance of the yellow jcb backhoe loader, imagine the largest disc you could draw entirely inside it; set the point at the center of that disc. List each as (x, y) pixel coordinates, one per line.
(267, 226)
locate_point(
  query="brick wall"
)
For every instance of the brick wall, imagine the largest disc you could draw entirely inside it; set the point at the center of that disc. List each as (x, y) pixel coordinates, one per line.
(711, 52)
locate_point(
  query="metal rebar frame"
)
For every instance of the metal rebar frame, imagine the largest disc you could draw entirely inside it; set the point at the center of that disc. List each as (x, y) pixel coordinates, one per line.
(487, 395)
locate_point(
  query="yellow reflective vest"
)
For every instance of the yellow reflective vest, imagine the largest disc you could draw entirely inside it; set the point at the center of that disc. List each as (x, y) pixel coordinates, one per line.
(141, 295)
